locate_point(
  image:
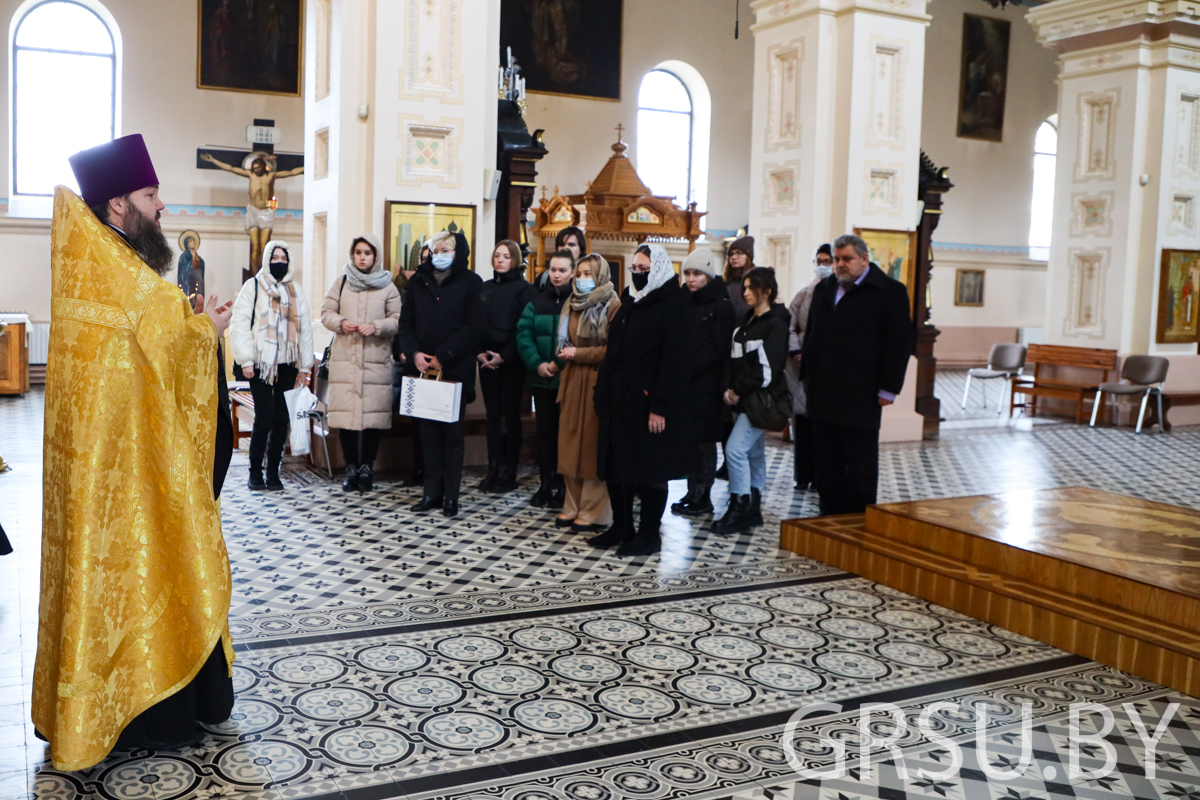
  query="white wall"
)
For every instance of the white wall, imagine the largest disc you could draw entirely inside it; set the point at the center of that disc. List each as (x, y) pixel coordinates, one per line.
(162, 103)
(993, 182)
(1014, 290)
(580, 132)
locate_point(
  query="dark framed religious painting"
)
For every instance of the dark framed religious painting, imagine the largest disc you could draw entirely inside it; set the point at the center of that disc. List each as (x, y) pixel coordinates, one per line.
(251, 46)
(566, 47)
(1179, 297)
(968, 287)
(408, 226)
(983, 80)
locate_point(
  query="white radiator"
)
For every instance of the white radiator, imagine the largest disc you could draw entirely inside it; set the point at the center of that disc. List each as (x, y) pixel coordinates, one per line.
(39, 342)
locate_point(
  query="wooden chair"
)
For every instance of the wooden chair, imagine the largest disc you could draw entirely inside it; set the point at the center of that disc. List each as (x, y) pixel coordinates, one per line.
(1075, 391)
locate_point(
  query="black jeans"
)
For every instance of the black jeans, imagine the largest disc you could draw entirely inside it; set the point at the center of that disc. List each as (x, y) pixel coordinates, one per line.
(846, 466)
(444, 446)
(546, 406)
(350, 450)
(804, 450)
(704, 467)
(654, 505)
(503, 390)
(270, 418)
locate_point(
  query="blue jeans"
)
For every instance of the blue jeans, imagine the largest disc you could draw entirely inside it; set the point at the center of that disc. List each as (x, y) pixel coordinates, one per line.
(746, 455)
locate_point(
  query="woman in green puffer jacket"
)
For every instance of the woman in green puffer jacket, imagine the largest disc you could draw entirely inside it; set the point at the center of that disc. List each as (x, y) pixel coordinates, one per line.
(538, 343)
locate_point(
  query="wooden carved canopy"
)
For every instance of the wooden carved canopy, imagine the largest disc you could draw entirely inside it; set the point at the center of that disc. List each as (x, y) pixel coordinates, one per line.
(616, 206)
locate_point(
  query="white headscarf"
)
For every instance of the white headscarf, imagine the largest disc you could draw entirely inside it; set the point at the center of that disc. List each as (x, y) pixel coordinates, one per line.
(661, 271)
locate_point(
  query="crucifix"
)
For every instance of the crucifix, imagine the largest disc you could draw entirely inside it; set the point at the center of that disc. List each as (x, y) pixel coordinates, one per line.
(262, 166)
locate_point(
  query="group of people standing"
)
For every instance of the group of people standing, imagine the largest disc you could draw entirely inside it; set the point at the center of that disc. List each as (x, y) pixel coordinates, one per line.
(630, 389)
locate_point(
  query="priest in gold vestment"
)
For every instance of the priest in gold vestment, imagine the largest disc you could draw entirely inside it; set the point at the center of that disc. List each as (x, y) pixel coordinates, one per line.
(133, 636)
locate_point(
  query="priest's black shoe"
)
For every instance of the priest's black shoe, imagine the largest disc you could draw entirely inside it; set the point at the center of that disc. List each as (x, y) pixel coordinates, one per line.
(616, 535)
(450, 508)
(366, 478)
(542, 495)
(256, 483)
(737, 516)
(273, 482)
(756, 517)
(427, 504)
(350, 482)
(416, 479)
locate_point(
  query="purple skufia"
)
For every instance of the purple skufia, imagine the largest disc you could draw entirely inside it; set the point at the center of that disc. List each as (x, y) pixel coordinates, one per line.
(113, 169)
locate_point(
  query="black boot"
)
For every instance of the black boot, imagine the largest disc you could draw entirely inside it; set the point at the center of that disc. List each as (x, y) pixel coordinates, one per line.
(737, 516)
(686, 503)
(416, 479)
(701, 504)
(645, 543)
(427, 504)
(256, 483)
(542, 496)
(723, 472)
(558, 498)
(366, 478)
(350, 483)
(618, 533)
(488, 484)
(450, 508)
(507, 479)
(273, 482)
(755, 514)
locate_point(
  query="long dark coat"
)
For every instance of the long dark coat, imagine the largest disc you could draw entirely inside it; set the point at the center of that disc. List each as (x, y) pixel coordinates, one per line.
(714, 314)
(646, 369)
(446, 320)
(854, 350)
(504, 298)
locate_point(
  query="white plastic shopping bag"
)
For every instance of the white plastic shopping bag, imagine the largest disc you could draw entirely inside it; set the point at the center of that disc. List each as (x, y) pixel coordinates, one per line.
(428, 398)
(299, 402)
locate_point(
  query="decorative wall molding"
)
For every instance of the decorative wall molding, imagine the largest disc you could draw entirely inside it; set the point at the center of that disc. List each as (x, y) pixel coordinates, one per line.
(430, 152)
(1091, 214)
(885, 125)
(432, 56)
(1187, 135)
(1096, 156)
(783, 93)
(1182, 217)
(883, 182)
(780, 250)
(779, 188)
(1085, 301)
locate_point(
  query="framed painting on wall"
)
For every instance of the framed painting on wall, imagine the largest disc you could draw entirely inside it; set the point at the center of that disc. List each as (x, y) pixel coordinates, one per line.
(408, 226)
(983, 78)
(1179, 297)
(566, 47)
(250, 46)
(968, 287)
(895, 252)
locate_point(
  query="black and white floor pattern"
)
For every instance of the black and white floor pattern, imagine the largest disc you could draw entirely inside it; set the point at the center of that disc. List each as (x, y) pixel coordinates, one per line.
(386, 655)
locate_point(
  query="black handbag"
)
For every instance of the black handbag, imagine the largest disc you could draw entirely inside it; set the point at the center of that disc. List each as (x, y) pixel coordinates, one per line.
(323, 370)
(769, 409)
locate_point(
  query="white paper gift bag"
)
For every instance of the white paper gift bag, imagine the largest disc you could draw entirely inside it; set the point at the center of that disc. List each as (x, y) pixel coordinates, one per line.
(430, 398)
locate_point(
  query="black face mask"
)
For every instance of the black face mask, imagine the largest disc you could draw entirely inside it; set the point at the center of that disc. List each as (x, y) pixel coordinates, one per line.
(640, 279)
(279, 269)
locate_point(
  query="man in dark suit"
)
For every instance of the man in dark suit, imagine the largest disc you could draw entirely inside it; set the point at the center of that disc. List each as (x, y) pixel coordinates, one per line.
(855, 353)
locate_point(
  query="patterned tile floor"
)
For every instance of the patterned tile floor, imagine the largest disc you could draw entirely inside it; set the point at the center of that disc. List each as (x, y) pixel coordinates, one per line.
(382, 655)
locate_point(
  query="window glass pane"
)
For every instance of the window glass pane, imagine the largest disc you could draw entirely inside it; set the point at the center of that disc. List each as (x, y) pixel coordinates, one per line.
(663, 91)
(1042, 211)
(1046, 141)
(64, 104)
(64, 26)
(664, 145)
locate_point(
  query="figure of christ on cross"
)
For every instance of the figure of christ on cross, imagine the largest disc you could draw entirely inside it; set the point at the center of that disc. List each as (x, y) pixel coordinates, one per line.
(260, 212)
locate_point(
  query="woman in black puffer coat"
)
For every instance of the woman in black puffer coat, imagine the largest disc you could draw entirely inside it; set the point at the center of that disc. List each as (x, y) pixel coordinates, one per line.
(756, 391)
(710, 300)
(441, 323)
(643, 401)
(501, 371)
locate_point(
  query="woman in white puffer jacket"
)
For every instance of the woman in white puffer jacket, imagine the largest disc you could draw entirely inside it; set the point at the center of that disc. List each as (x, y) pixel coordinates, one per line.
(271, 338)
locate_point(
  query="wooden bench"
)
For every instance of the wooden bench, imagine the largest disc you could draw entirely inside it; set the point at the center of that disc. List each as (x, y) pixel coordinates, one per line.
(1078, 392)
(242, 398)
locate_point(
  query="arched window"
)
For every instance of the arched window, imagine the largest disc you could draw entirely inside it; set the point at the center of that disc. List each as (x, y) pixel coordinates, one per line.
(664, 135)
(64, 90)
(1041, 222)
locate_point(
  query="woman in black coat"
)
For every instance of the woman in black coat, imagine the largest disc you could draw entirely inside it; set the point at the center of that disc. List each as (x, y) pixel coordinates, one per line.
(643, 401)
(441, 323)
(501, 371)
(710, 300)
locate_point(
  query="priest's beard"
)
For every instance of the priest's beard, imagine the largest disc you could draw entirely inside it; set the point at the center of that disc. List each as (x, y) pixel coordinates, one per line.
(147, 238)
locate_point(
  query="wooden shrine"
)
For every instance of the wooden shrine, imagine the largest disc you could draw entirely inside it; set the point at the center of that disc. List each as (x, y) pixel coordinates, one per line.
(617, 206)
(933, 183)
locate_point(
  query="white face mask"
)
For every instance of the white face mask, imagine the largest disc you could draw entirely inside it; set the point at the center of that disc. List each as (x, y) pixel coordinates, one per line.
(823, 270)
(442, 260)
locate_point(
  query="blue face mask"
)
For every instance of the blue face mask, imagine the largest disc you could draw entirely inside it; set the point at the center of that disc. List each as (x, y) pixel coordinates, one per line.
(584, 285)
(442, 260)
(823, 270)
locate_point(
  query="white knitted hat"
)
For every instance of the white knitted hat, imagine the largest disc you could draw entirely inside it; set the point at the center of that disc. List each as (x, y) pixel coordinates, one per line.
(701, 260)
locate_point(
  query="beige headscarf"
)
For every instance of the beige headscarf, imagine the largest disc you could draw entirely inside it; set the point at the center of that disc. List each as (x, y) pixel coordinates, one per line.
(593, 305)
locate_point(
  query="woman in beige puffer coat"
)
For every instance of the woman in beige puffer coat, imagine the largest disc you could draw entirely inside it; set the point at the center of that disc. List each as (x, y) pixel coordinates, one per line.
(362, 308)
